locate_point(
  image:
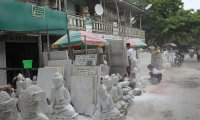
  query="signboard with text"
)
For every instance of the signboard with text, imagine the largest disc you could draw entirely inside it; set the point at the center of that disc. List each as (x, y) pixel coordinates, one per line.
(86, 60)
(38, 11)
(85, 70)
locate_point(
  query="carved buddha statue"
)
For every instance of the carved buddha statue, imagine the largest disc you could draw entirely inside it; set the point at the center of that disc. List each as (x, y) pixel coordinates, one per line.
(61, 109)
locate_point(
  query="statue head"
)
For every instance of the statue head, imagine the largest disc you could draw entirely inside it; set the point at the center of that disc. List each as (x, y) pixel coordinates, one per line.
(57, 80)
(115, 80)
(108, 82)
(30, 100)
(20, 77)
(112, 76)
(105, 62)
(101, 90)
(34, 78)
(27, 82)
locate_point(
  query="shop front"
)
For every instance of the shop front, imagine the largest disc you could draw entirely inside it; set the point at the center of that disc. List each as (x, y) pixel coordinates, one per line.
(25, 32)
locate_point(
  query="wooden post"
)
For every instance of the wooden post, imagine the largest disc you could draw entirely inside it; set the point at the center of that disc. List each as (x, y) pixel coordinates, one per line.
(70, 48)
(48, 44)
(117, 13)
(40, 50)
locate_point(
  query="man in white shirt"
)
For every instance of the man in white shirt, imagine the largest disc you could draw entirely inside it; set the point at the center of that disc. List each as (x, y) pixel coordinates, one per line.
(131, 56)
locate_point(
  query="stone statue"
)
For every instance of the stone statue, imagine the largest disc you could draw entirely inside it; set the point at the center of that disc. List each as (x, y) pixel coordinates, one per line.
(13, 95)
(116, 84)
(115, 79)
(122, 103)
(105, 109)
(105, 69)
(34, 80)
(26, 83)
(112, 90)
(31, 103)
(8, 109)
(19, 83)
(60, 106)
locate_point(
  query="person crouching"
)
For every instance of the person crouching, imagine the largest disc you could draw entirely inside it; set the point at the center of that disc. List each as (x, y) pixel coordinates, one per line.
(155, 74)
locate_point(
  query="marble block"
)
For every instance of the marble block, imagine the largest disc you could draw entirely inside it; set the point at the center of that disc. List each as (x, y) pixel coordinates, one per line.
(55, 55)
(67, 69)
(83, 92)
(44, 80)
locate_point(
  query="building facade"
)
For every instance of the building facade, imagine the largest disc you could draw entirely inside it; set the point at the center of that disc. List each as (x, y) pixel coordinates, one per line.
(29, 27)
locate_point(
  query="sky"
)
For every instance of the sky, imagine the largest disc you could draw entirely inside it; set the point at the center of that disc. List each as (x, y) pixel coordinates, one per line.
(191, 4)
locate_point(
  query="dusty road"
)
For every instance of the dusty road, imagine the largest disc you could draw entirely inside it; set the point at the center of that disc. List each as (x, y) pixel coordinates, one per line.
(176, 98)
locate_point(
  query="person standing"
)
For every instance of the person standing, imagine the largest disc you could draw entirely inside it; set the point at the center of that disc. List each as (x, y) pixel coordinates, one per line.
(131, 56)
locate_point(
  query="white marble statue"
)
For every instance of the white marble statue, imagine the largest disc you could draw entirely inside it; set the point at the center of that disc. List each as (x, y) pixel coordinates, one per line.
(116, 84)
(105, 69)
(34, 80)
(13, 95)
(126, 90)
(105, 109)
(31, 103)
(112, 90)
(8, 109)
(61, 109)
(115, 79)
(26, 83)
(19, 83)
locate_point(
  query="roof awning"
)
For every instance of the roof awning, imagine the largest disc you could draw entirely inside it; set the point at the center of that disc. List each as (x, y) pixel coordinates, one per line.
(123, 6)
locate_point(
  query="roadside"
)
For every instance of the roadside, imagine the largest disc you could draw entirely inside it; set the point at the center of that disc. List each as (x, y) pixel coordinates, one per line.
(176, 98)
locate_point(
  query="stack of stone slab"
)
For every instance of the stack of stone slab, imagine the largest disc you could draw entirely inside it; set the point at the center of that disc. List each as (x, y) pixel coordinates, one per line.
(44, 79)
(84, 91)
(59, 59)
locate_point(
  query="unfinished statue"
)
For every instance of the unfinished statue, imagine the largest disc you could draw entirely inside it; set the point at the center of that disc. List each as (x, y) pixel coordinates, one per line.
(8, 109)
(105, 109)
(60, 106)
(30, 103)
(112, 90)
(19, 83)
(26, 83)
(115, 79)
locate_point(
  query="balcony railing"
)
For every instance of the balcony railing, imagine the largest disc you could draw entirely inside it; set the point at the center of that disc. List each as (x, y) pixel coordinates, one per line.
(100, 27)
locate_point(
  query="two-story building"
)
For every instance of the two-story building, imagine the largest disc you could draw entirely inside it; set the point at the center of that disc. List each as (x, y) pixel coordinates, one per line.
(29, 27)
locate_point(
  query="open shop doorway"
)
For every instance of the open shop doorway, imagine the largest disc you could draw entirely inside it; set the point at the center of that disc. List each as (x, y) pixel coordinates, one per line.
(15, 53)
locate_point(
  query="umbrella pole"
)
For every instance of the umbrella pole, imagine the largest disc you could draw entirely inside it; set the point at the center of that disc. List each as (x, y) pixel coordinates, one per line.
(70, 48)
(85, 45)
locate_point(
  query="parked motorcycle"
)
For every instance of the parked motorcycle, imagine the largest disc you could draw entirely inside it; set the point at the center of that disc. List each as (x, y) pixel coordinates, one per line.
(179, 59)
(191, 53)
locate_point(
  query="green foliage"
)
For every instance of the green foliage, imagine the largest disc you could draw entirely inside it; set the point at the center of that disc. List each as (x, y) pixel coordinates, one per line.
(167, 21)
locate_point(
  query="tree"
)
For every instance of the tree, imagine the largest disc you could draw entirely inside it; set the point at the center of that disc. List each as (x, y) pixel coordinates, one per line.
(167, 21)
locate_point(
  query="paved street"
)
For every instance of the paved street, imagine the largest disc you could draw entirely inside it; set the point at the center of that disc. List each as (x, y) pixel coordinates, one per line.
(176, 98)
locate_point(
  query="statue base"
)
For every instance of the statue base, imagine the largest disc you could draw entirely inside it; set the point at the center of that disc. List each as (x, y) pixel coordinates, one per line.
(56, 117)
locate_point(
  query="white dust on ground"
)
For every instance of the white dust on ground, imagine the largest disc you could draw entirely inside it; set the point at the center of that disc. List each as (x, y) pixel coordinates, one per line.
(176, 98)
